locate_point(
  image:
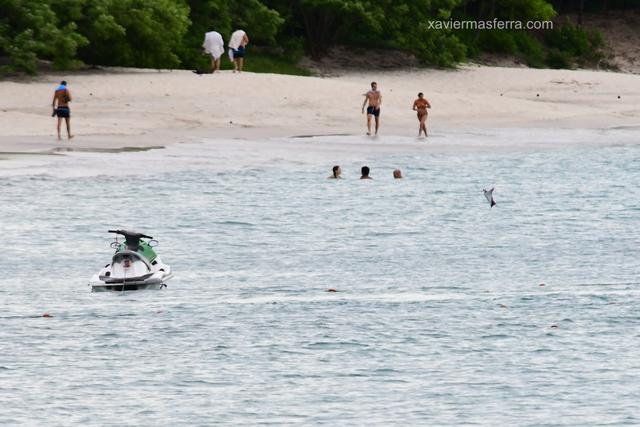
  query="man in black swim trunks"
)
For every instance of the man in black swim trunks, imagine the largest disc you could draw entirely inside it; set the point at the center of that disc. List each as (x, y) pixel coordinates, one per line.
(374, 98)
(60, 104)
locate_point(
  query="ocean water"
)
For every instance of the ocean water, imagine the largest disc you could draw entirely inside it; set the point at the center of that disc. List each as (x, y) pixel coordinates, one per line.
(447, 312)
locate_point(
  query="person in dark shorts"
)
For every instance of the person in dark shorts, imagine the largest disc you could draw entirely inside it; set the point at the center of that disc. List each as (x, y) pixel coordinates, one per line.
(374, 111)
(239, 52)
(374, 99)
(60, 104)
(237, 49)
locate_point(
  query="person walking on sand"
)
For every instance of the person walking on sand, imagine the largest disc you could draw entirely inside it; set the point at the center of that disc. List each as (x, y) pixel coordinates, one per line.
(374, 99)
(420, 105)
(214, 46)
(60, 104)
(237, 49)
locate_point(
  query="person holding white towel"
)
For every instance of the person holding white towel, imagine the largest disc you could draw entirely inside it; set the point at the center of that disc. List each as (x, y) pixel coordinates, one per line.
(214, 46)
(237, 45)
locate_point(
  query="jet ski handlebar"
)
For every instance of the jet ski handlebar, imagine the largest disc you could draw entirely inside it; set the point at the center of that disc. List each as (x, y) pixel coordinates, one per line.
(130, 234)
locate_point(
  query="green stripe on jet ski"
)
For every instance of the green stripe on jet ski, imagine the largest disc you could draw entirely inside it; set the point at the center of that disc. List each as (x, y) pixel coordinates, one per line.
(144, 249)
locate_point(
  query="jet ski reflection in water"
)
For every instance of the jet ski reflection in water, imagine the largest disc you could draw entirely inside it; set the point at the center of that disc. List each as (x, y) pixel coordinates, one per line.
(134, 266)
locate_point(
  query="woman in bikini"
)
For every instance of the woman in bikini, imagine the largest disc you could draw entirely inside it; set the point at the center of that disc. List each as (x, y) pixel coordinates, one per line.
(420, 105)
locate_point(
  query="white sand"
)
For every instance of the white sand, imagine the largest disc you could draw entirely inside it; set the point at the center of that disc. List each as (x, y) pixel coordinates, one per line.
(125, 108)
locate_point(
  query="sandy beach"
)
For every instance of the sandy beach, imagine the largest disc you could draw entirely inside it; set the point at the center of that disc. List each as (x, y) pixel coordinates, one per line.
(118, 108)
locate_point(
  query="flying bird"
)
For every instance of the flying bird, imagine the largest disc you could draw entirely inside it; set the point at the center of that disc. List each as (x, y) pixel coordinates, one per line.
(489, 196)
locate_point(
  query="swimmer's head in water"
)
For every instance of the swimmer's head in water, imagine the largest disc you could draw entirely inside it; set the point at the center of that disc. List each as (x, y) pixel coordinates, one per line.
(397, 174)
(336, 171)
(365, 171)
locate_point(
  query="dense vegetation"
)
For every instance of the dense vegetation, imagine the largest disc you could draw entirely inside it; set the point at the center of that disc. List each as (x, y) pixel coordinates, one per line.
(168, 33)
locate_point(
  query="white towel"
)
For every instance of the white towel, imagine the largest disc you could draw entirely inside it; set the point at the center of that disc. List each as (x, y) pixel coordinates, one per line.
(236, 39)
(213, 44)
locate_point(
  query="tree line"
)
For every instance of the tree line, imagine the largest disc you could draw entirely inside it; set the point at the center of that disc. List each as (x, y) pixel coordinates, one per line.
(169, 33)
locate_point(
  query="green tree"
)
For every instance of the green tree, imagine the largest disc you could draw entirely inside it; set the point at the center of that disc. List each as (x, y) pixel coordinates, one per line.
(400, 24)
(29, 29)
(406, 25)
(261, 22)
(139, 33)
(324, 23)
(512, 9)
(521, 43)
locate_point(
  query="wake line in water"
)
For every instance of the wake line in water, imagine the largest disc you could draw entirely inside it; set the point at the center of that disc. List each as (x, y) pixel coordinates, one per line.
(342, 297)
(606, 284)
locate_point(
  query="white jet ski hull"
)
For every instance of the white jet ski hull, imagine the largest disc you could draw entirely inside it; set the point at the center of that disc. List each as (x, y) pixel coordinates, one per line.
(113, 277)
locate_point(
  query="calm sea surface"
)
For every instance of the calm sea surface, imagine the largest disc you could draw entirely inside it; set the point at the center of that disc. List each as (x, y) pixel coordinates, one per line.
(440, 317)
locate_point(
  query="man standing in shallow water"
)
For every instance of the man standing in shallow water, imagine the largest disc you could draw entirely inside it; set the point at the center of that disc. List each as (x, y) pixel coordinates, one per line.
(374, 98)
(60, 104)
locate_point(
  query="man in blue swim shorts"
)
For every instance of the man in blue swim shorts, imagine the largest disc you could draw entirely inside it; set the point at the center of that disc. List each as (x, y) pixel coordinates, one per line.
(237, 49)
(374, 99)
(60, 104)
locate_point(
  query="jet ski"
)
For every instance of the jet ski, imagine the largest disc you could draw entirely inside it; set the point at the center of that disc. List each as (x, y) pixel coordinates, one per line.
(135, 265)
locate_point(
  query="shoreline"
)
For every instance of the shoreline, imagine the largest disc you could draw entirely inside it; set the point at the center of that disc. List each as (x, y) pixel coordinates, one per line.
(312, 149)
(447, 141)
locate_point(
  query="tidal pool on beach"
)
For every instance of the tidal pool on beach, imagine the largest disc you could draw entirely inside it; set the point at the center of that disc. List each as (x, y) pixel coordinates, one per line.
(441, 316)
